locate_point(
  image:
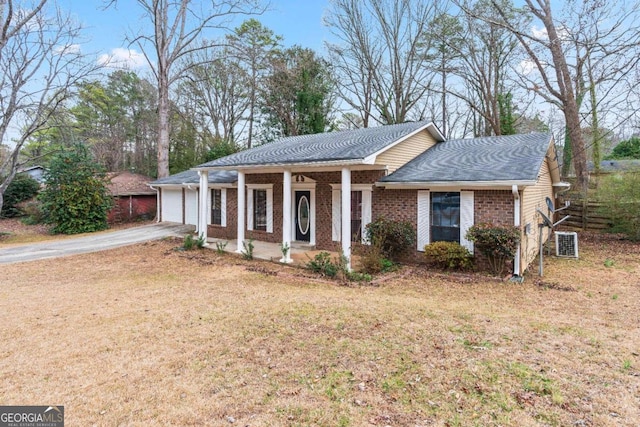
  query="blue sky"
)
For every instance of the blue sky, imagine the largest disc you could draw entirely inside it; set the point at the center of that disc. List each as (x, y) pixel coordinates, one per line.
(298, 21)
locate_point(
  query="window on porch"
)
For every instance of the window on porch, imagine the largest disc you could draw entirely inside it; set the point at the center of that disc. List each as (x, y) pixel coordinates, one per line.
(361, 198)
(260, 209)
(216, 207)
(356, 216)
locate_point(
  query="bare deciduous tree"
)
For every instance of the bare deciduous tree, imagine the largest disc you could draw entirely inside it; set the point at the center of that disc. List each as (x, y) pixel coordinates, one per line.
(484, 54)
(558, 53)
(39, 64)
(177, 28)
(219, 90)
(379, 57)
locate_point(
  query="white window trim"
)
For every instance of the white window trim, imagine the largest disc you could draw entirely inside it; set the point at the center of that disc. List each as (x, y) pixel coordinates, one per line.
(336, 206)
(269, 188)
(467, 212)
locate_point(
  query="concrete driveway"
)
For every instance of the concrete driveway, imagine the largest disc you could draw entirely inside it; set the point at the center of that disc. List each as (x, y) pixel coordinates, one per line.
(93, 243)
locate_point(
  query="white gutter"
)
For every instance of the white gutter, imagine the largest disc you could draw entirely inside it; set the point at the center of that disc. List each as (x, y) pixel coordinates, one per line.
(516, 223)
(505, 185)
(348, 162)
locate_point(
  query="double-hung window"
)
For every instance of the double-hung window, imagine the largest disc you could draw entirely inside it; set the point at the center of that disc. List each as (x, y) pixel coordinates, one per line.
(356, 216)
(260, 209)
(216, 206)
(361, 196)
(445, 217)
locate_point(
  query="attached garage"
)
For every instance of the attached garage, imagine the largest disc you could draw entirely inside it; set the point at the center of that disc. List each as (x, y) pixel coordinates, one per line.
(179, 196)
(171, 205)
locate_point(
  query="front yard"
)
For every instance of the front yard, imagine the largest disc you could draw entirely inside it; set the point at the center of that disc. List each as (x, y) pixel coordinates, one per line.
(148, 335)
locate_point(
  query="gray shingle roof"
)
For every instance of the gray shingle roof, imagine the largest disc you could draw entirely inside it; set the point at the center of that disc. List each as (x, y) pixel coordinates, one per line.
(488, 159)
(191, 177)
(349, 145)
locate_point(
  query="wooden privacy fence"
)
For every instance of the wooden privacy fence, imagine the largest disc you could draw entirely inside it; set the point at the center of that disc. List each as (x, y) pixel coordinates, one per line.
(584, 215)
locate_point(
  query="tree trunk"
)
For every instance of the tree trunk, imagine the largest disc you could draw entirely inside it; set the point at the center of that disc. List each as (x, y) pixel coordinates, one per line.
(570, 105)
(163, 126)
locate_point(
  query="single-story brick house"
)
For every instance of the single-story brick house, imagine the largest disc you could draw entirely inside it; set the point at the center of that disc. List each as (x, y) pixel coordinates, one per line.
(133, 199)
(324, 189)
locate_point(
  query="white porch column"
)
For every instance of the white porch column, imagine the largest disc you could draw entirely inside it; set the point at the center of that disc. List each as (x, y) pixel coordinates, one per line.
(203, 211)
(241, 214)
(346, 215)
(286, 215)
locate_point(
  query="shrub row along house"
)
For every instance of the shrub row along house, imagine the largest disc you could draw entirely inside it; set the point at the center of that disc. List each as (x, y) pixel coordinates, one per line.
(323, 189)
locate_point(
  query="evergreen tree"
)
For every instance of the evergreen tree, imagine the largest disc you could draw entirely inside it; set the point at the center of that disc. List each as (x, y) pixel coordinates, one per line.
(75, 198)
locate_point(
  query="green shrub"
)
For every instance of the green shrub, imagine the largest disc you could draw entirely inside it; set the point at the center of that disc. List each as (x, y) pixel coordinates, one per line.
(497, 243)
(21, 188)
(220, 247)
(248, 247)
(627, 149)
(189, 242)
(448, 255)
(356, 276)
(393, 237)
(75, 198)
(322, 264)
(620, 198)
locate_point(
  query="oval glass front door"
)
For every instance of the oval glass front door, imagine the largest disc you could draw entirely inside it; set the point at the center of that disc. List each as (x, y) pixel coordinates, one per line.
(303, 215)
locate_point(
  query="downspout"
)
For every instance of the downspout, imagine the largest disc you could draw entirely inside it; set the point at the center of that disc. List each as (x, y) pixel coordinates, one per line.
(516, 223)
(158, 202)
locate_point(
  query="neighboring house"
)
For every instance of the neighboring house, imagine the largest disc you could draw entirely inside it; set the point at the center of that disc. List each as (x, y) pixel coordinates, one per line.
(324, 189)
(35, 172)
(133, 199)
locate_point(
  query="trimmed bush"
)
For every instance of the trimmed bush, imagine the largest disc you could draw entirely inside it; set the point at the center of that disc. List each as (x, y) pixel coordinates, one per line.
(448, 255)
(393, 237)
(497, 243)
(324, 265)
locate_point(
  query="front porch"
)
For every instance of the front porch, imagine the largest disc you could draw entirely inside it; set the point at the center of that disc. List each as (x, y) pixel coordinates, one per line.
(317, 209)
(300, 252)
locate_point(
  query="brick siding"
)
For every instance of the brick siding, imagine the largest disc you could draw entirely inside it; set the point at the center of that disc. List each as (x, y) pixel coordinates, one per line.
(491, 206)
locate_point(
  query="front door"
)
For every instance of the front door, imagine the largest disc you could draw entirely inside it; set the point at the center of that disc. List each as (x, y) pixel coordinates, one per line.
(303, 216)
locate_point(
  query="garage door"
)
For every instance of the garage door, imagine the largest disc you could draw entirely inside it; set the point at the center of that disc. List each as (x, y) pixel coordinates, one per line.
(172, 205)
(191, 207)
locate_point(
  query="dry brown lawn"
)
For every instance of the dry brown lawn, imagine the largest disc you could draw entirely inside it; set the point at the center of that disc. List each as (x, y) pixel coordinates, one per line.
(147, 335)
(14, 232)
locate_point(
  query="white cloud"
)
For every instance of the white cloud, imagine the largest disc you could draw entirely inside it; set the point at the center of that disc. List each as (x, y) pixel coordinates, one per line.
(542, 34)
(526, 67)
(539, 33)
(69, 49)
(129, 59)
